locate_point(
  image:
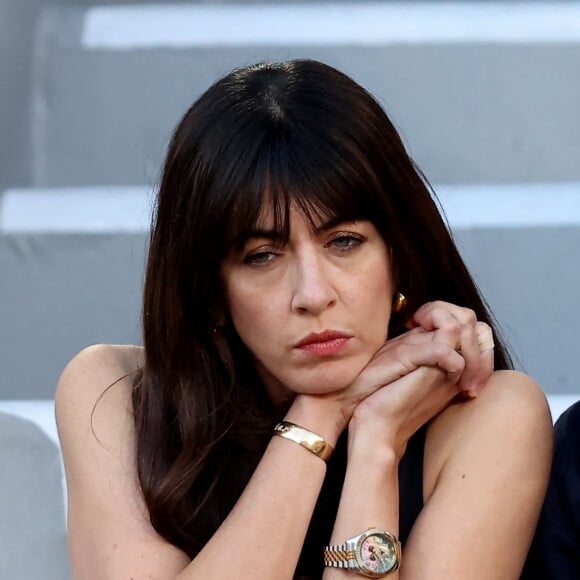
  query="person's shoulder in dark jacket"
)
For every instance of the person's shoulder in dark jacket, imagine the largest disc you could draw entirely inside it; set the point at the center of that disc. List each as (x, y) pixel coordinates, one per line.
(555, 551)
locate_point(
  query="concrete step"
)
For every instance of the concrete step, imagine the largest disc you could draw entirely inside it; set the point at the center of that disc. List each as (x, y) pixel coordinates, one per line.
(483, 92)
(71, 264)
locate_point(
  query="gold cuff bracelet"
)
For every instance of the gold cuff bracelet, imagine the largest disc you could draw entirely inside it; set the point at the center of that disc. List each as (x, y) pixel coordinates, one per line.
(307, 439)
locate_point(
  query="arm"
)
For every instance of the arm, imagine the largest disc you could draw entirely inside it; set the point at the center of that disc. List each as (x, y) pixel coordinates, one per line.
(378, 434)
(110, 535)
(486, 468)
(496, 455)
(383, 423)
(109, 531)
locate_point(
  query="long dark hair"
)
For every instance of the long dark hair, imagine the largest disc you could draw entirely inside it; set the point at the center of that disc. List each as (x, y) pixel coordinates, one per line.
(298, 132)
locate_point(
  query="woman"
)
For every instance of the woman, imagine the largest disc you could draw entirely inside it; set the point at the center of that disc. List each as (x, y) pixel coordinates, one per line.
(300, 283)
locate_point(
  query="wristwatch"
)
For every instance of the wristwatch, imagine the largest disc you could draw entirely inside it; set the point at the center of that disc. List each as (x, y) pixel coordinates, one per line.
(374, 554)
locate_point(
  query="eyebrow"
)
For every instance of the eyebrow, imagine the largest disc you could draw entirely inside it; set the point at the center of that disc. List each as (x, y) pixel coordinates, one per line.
(277, 236)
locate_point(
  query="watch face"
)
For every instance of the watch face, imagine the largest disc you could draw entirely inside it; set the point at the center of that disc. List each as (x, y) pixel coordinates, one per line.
(376, 554)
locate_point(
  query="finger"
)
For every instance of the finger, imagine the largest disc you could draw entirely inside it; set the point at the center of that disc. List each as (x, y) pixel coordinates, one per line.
(435, 348)
(469, 347)
(417, 330)
(487, 367)
(446, 344)
(409, 335)
(484, 336)
(399, 359)
(434, 314)
(433, 319)
(415, 336)
(486, 345)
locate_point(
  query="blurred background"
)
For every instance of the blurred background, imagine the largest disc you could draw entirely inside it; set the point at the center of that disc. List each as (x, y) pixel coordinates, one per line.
(485, 94)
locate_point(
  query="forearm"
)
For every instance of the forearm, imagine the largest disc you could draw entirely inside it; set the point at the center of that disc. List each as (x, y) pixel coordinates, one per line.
(370, 498)
(263, 535)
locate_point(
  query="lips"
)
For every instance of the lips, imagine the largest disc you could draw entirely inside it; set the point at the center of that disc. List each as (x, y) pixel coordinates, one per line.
(320, 337)
(324, 343)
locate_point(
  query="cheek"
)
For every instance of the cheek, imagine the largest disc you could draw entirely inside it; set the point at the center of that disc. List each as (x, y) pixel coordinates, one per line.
(243, 311)
(254, 317)
(375, 304)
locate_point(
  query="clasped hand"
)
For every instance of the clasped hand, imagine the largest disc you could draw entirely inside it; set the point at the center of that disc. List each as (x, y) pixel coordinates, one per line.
(415, 375)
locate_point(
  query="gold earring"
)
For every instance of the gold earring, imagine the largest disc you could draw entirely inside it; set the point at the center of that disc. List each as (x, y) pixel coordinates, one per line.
(399, 302)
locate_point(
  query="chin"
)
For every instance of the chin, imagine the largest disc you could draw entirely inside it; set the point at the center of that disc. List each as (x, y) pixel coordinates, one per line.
(325, 378)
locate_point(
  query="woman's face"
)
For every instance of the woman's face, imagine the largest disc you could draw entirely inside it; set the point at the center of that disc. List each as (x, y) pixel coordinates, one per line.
(313, 311)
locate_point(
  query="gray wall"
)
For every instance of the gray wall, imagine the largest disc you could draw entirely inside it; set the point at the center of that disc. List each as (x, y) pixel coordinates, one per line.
(60, 293)
(74, 114)
(19, 23)
(470, 112)
(17, 44)
(66, 291)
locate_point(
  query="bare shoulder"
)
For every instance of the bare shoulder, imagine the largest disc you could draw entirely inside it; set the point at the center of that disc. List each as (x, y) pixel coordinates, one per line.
(508, 395)
(94, 412)
(98, 378)
(510, 417)
(486, 468)
(97, 433)
(102, 361)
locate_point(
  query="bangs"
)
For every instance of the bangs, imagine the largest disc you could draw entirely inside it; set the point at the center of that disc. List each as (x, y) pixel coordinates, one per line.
(308, 174)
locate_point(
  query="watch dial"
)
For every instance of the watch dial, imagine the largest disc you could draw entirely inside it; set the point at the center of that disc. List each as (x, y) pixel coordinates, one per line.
(377, 554)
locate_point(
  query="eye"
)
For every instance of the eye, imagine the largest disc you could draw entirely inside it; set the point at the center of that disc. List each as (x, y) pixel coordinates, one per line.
(345, 242)
(260, 258)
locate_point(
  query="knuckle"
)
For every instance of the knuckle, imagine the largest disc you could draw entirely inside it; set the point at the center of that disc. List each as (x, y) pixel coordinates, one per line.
(441, 349)
(452, 327)
(468, 316)
(461, 363)
(467, 332)
(422, 311)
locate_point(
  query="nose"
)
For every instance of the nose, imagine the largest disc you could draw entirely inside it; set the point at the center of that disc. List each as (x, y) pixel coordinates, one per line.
(313, 291)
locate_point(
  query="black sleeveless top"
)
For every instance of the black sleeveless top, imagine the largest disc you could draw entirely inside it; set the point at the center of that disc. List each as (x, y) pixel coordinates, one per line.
(310, 566)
